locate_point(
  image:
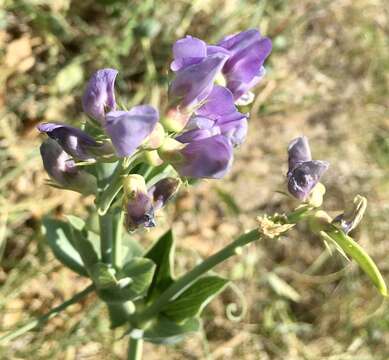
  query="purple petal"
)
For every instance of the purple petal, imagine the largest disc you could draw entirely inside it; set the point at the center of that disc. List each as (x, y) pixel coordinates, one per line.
(188, 51)
(140, 211)
(207, 158)
(99, 95)
(219, 102)
(163, 191)
(298, 152)
(74, 141)
(305, 176)
(194, 83)
(128, 129)
(234, 127)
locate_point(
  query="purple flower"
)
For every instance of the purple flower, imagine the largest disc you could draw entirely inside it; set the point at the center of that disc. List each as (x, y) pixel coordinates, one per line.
(99, 95)
(128, 129)
(303, 173)
(218, 115)
(196, 67)
(140, 211)
(63, 171)
(206, 158)
(244, 68)
(74, 141)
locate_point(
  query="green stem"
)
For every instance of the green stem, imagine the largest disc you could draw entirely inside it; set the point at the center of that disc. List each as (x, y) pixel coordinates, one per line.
(117, 244)
(33, 324)
(106, 237)
(186, 280)
(135, 349)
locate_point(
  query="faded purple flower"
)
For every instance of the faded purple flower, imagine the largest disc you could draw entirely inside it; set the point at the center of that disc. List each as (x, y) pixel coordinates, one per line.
(206, 158)
(244, 68)
(128, 129)
(99, 95)
(303, 173)
(140, 211)
(74, 141)
(63, 171)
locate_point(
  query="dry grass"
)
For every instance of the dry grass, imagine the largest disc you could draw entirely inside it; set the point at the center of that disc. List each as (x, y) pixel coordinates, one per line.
(327, 78)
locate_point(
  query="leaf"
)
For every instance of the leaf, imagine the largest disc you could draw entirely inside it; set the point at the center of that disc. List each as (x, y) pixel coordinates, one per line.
(103, 276)
(357, 253)
(168, 332)
(193, 300)
(130, 248)
(162, 254)
(141, 271)
(129, 283)
(282, 288)
(58, 234)
(228, 199)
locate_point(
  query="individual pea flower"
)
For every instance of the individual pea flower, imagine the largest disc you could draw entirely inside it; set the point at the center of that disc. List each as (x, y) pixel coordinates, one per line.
(142, 203)
(303, 173)
(63, 170)
(138, 203)
(99, 95)
(352, 216)
(75, 142)
(244, 68)
(218, 115)
(196, 66)
(209, 157)
(128, 129)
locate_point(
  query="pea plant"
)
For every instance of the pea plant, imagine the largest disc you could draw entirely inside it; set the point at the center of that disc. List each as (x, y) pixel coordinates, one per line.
(134, 161)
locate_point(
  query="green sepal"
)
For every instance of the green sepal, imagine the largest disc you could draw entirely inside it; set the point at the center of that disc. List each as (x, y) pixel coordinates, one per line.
(164, 331)
(194, 299)
(162, 254)
(58, 235)
(357, 253)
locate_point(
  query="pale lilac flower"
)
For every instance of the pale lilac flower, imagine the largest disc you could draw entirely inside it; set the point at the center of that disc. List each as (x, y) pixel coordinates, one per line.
(128, 129)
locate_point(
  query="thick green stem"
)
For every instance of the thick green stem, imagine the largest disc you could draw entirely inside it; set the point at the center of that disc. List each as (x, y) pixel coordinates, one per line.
(33, 324)
(186, 280)
(135, 349)
(106, 237)
(117, 243)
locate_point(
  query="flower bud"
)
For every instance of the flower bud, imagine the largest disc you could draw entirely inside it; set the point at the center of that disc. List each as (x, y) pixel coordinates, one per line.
(315, 198)
(175, 120)
(163, 191)
(156, 138)
(353, 215)
(99, 95)
(138, 203)
(63, 171)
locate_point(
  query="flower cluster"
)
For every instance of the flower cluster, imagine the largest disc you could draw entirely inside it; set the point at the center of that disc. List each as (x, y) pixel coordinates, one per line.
(210, 82)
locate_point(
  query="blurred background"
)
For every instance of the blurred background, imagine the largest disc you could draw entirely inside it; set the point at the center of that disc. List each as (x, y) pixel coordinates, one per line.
(327, 78)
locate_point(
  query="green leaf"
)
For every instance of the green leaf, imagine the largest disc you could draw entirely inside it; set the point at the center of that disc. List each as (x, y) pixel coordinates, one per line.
(282, 288)
(130, 248)
(141, 271)
(193, 300)
(356, 252)
(162, 254)
(103, 276)
(129, 283)
(228, 199)
(58, 235)
(168, 332)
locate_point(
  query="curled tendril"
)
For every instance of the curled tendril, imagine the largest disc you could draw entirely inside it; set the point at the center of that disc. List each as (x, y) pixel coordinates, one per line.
(233, 311)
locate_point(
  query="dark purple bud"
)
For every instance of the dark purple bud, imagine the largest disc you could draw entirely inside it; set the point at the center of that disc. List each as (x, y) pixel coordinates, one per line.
(244, 68)
(74, 141)
(163, 191)
(194, 83)
(99, 95)
(128, 129)
(63, 171)
(206, 158)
